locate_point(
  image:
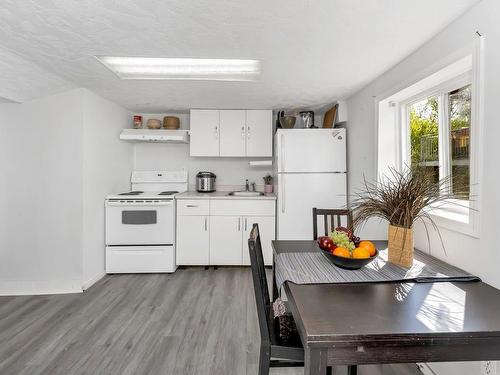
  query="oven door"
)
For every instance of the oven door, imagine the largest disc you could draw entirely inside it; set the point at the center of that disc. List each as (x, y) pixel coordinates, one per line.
(139, 223)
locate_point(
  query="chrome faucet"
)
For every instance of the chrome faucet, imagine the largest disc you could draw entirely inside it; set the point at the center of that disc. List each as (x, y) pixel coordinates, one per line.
(249, 186)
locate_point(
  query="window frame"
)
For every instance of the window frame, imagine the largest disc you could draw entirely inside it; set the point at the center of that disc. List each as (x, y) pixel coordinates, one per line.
(456, 215)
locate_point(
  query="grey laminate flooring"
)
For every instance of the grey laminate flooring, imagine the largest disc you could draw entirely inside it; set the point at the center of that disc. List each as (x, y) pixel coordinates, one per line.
(195, 321)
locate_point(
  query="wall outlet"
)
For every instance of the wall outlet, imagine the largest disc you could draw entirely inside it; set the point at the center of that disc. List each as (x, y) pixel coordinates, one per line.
(489, 368)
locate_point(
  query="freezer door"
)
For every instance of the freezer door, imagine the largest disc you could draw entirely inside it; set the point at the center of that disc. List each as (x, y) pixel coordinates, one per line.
(310, 150)
(299, 193)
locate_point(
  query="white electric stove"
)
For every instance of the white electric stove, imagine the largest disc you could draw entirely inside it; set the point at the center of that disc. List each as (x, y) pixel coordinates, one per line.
(140, 224)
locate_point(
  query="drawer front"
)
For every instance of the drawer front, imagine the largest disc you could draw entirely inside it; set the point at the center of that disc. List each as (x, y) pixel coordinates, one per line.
(193, 207)
(250, 207)
(140, 259)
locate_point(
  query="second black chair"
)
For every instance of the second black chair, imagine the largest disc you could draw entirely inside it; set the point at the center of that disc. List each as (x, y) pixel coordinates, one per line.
(332, 218)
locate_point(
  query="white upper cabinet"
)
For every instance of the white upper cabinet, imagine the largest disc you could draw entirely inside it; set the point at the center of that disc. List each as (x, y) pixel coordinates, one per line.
(231, 133)
(205, 133)
(259, 133)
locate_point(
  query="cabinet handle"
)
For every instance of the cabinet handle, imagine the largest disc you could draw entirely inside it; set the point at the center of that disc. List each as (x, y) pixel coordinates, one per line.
(191, 205)
(248, 131)
(216, 132)
(239, 224)
(205, 223)
(245, 224)
(242, 132)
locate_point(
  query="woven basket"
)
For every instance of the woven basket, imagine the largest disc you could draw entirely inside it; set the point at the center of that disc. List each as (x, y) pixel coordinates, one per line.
(171, 122)
(400, 247)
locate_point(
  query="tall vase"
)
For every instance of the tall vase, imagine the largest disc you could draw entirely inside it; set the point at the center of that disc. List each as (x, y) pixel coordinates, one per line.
(400, 246)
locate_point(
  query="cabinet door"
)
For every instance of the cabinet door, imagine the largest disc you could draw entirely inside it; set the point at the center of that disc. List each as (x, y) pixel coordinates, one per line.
(225, 240)
(266, 231)
(192, 246)
(259, 133)
(232, 133)
(204, 132)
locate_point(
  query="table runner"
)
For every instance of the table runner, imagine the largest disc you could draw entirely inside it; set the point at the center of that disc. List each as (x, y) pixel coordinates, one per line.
(315, 268)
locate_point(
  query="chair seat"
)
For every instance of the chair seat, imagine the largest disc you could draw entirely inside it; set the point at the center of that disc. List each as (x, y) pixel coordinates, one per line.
(292, 350)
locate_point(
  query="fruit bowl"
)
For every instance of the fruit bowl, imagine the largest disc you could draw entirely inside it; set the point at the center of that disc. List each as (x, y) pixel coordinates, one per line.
(348, 263)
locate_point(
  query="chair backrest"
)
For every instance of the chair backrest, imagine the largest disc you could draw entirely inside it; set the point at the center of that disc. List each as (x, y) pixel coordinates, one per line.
(332, 218)
(260, 283)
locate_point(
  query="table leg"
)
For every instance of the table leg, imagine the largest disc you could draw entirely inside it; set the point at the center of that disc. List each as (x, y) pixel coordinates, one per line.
(275, 287)
(315, 361)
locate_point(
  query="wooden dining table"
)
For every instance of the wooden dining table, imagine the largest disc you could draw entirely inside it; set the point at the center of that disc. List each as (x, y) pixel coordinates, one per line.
(391, 322)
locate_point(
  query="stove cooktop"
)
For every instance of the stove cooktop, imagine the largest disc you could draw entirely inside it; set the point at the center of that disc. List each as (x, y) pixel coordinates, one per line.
(139, 194)
(172, 192)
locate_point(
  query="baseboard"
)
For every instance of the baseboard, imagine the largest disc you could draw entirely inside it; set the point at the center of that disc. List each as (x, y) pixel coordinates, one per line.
(35, 287)
(87, 284)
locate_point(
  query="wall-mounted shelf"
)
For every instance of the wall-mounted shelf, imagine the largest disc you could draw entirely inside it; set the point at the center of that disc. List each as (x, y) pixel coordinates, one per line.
(152, 135)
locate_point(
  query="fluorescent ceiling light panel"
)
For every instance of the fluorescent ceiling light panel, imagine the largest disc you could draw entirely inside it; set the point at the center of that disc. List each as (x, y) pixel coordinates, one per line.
(182, 68)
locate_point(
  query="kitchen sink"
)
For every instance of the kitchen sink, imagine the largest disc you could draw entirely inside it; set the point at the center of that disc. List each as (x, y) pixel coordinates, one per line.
(246, 193)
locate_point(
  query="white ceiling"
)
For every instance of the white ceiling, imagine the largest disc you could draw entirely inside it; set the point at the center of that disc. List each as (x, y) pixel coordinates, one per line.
(313, 51)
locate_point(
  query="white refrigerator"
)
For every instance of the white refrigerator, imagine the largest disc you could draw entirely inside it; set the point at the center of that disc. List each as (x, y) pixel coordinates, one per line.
(310, 171)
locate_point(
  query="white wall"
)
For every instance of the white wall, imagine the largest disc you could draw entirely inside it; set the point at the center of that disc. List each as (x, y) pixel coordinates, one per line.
(60, 156)
(41, 195)
(107, 163)
(231, 172)
(477, 255)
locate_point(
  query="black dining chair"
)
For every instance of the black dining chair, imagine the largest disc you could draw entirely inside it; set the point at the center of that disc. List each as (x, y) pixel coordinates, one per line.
(273, 353)
(332, 218)
(270, 347)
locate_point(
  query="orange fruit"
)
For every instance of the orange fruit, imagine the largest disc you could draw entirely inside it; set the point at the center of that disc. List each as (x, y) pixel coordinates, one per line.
(361, 253)
(341, 252)
(368, 245)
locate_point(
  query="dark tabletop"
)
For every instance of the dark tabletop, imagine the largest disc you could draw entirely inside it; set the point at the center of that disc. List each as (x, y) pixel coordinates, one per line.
(466, 314)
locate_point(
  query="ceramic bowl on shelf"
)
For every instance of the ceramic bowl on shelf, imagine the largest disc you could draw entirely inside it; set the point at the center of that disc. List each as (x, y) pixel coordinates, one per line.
(288, 122)
(154, 123)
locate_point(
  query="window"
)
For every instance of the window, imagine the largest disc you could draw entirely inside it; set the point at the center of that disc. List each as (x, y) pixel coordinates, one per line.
(435, 123)
(439, 136)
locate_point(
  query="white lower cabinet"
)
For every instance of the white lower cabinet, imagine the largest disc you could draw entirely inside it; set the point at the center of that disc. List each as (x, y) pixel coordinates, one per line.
(192, 246)
(221, 237)
(225, 240)
(267, 234)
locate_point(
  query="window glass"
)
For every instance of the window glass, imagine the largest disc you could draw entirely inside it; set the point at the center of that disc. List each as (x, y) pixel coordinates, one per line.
(459, 110)
(424, 140)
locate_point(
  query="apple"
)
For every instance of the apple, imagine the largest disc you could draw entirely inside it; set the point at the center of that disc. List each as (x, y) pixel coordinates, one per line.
(326, 243)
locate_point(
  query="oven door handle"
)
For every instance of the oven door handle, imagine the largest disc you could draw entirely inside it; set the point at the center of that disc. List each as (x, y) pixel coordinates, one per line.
(146, 203)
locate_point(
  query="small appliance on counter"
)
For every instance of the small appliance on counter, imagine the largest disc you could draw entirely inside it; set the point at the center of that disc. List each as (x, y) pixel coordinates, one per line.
(205, 182)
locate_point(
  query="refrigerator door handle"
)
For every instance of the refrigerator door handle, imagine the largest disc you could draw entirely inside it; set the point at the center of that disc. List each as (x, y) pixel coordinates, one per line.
(283, 194)
(282, 153)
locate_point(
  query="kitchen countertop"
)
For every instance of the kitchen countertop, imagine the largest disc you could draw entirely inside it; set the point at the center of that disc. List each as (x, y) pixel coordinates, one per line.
(221, 195)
